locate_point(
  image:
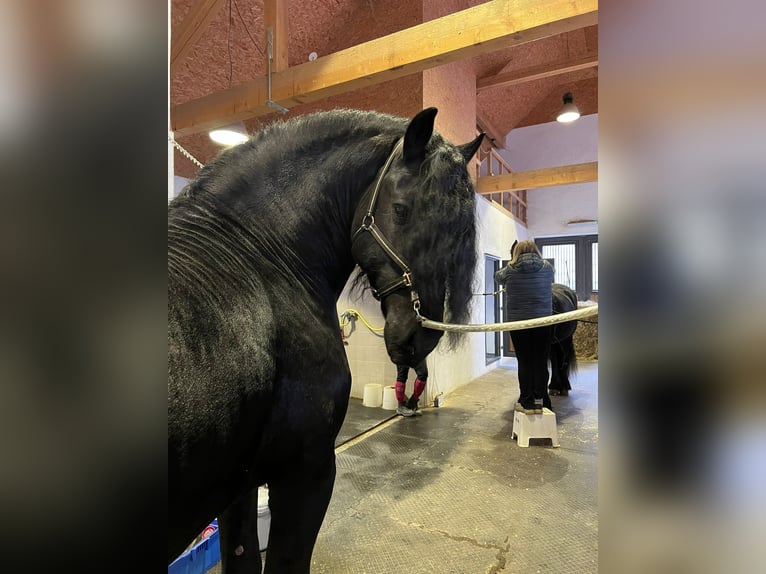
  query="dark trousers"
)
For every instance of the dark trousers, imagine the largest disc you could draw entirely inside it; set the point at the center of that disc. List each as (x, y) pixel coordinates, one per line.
(533, 348)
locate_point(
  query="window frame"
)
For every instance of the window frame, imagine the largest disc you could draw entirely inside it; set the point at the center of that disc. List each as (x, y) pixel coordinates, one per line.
(583, 260)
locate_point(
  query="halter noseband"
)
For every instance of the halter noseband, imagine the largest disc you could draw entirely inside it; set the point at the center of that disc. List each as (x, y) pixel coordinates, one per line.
(368, 224)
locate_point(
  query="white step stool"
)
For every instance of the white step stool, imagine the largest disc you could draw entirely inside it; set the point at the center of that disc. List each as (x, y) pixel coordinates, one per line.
(535, 426)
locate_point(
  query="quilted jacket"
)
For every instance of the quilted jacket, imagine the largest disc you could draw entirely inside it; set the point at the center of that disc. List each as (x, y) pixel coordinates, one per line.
(527, 287)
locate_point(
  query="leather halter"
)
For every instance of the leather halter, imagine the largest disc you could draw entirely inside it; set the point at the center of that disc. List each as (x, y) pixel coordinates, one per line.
(368, 224)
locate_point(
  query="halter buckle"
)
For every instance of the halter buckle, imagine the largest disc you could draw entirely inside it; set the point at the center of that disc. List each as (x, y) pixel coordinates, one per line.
(407, 279)
(368, 221)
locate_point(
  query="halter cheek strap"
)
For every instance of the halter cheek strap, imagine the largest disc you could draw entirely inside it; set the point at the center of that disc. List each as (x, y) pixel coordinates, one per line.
(368, 224)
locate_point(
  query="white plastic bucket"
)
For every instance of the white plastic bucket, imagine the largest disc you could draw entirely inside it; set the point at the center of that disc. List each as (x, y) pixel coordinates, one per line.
(373, 395)
(389, 399)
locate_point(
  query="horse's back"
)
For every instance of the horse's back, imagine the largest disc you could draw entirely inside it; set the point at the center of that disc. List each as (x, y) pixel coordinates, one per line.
(564, 300)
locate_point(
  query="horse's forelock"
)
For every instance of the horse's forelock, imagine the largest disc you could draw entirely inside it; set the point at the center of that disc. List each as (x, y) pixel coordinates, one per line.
(443, 246)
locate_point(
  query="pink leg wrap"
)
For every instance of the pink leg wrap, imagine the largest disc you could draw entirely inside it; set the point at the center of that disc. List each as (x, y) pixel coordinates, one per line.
(400, 392)
(419, 388)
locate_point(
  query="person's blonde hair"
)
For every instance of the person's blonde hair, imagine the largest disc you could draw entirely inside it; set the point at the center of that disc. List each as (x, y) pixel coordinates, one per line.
(522, 247)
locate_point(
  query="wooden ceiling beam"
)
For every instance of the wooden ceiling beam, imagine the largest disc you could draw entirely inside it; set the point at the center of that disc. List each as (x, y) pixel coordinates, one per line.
(191, 29)
(505, 79)
(533, 179)
(498, 138)
(483, 28)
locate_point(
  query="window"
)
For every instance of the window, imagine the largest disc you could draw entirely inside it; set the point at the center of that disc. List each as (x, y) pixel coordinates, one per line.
(575, 259)
(562, 256)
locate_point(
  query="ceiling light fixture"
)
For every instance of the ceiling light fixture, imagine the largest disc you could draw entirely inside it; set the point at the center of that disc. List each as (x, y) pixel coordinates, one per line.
(233, 134)
(569, 111)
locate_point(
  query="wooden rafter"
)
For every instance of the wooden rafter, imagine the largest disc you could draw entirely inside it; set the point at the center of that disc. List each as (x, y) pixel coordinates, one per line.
(275, 17)
(483, 28)
(589, 60)
(564, 175)
(191, 29)
(489, 129)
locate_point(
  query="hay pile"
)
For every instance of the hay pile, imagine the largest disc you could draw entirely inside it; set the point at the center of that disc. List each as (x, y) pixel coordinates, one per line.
(586, 339)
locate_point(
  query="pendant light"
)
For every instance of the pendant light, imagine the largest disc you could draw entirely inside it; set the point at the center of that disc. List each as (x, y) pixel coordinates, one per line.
(569, 111)
(230, 135)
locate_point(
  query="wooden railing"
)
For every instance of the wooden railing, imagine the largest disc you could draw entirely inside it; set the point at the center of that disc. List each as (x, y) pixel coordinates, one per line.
(491, 163)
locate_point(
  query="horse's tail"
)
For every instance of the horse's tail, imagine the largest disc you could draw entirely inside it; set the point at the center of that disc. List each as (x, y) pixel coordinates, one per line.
(563, 357)
(568, 355)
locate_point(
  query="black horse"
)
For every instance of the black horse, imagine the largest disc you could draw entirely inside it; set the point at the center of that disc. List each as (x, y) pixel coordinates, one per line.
(260, 246)
(563, 358)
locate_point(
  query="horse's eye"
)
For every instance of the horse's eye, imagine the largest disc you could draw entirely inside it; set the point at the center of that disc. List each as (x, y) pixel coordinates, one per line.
(401, 214)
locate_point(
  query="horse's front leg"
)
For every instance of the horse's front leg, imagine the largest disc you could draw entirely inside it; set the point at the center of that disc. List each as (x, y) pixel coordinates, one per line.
(238, 527)
(298, 502)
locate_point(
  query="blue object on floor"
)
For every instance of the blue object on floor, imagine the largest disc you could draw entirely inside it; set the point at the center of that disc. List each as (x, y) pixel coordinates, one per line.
(199, 558)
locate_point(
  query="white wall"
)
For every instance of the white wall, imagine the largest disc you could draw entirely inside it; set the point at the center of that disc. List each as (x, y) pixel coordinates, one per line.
(551, 145)
(178, 184)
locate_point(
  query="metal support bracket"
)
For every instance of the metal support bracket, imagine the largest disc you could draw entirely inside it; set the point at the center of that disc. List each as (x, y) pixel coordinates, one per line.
(269, 102)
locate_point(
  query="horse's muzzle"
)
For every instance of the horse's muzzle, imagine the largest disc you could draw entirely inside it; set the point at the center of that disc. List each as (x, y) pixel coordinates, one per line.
(412, 350)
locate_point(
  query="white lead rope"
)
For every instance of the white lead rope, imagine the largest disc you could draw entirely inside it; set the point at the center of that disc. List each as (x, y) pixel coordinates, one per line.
(513, 325)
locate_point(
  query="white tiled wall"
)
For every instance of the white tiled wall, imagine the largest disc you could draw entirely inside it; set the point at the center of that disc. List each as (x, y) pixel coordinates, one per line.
(366, 351)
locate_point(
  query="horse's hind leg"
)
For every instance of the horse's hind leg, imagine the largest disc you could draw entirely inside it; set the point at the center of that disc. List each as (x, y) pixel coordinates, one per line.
(238, 527)
(563, 362)
(555, 387)
(298, 503)
(560, 367)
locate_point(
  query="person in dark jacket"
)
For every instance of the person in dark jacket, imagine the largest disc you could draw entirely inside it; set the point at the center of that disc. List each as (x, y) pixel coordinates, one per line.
(528, 279)
(409, 407)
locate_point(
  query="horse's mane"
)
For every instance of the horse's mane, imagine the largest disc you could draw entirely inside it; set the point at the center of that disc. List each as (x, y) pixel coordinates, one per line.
(443, 235)
(445, 231)
(307, 136)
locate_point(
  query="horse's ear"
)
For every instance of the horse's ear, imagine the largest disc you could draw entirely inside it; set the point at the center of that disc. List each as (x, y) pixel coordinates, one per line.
(418, 133)
(515, 243)
(467, 150)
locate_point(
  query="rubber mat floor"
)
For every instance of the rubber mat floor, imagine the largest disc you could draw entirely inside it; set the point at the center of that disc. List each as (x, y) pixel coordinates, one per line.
(451, 492)
(360, 419)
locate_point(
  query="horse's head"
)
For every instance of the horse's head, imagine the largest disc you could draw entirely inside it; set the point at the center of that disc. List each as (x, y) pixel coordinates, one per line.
(414, 236)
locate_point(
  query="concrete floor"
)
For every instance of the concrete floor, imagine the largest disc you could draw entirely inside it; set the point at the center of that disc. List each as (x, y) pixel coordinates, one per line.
(452, 492)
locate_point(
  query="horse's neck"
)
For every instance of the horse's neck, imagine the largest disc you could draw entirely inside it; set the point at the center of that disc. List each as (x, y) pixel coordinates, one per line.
(305, 227)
